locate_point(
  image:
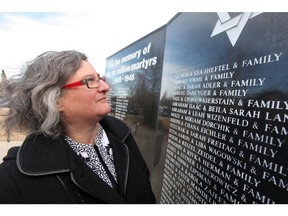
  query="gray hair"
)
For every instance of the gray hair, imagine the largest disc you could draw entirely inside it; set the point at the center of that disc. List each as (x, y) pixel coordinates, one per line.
(32, 98)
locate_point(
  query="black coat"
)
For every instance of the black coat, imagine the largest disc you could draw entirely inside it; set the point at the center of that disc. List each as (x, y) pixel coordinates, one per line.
(44, 170)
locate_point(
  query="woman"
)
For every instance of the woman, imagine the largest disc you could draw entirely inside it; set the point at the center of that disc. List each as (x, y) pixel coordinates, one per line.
(75, 152)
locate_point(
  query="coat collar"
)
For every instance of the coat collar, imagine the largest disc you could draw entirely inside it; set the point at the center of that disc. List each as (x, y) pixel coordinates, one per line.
(116, 127)
(40, 155)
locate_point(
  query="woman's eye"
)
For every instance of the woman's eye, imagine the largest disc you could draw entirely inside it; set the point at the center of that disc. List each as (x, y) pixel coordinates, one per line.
(91, 79)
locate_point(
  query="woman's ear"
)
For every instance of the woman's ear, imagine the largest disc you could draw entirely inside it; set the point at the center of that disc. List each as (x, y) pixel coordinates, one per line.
(59, 104)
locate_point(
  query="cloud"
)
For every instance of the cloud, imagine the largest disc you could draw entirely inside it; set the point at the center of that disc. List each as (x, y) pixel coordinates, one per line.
(26, 35)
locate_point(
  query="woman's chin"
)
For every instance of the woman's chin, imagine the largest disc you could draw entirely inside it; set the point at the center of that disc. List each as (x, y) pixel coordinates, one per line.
(105, 110)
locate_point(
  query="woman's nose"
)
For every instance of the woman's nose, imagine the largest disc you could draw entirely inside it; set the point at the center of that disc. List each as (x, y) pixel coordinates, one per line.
(103, 86)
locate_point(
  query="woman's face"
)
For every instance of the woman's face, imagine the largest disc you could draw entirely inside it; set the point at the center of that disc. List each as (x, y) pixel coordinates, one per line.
(80, 104)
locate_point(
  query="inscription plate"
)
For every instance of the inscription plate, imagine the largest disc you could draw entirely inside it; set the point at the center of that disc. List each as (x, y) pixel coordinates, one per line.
(134, 75)
(225, 85)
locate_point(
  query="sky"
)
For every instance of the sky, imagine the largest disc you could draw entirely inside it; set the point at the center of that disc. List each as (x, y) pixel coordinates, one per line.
(23, 36)
(97, 28)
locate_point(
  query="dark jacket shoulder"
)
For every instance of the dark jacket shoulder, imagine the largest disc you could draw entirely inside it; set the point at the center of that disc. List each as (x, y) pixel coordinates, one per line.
(12, 153)
(8, 190)
(46, 170)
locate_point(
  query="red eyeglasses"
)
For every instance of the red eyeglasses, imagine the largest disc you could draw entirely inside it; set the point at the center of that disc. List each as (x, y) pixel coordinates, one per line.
(91, 83)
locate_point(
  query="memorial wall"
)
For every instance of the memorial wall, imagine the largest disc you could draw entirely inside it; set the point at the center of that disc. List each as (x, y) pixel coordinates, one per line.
(214, 128)
(134, 75)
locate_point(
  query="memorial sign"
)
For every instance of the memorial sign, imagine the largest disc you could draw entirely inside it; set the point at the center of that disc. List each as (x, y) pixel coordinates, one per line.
(206, 98)
(227, 139)
(134, 75)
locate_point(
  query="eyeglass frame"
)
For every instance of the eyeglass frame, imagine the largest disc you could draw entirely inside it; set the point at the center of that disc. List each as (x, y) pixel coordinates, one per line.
(84, 82)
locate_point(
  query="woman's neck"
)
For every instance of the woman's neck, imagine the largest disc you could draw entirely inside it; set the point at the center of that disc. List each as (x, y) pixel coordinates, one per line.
(82, 134)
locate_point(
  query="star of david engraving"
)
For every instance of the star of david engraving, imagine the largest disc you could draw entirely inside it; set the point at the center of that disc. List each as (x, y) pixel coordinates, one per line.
(233, 26)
